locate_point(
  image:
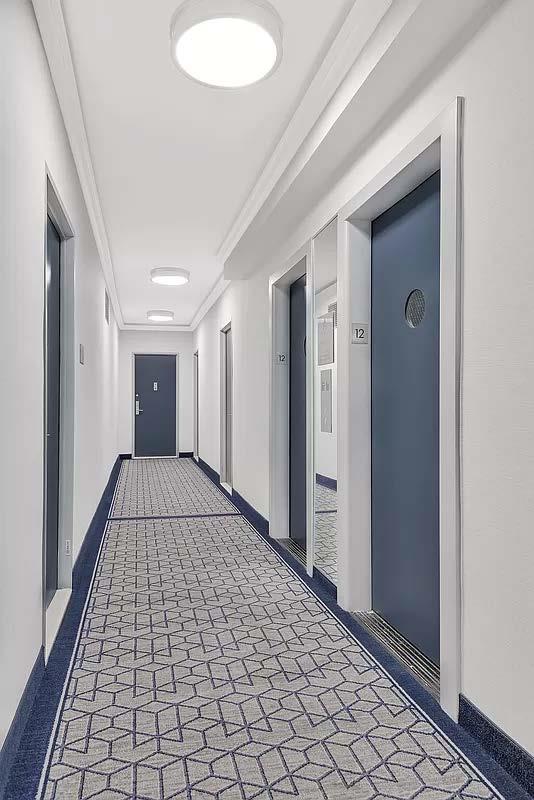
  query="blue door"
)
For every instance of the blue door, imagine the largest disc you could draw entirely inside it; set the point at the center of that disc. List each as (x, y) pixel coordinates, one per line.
(52, 367)
(155, 405)
(405, 416)
(297, 412)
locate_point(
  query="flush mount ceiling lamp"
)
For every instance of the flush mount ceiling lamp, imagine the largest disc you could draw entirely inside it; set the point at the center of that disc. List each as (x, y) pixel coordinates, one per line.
(226, 44)
(169, 276)
(160, 316)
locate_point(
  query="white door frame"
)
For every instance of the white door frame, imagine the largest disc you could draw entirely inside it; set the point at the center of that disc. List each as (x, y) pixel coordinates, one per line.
(223, 476)
(196, 407)
(279, 354)
(55, 209)
(438, 146)
(132, 404)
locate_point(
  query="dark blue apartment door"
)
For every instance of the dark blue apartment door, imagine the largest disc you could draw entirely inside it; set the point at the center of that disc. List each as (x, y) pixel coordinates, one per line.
(405, 416)
(52, 368)
(297, 412)
(155, 405)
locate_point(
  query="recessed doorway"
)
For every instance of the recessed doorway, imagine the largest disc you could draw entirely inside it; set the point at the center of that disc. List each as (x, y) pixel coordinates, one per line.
(52, 406)
(196, 416)
(227, 404)
(58, 417)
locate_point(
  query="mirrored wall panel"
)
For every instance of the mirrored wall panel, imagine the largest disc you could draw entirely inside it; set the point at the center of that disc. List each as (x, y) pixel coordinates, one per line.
(325, 402)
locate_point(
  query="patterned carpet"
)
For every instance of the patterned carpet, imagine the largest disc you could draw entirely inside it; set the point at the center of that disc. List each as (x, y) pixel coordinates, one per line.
(325, 552)
(207, 670)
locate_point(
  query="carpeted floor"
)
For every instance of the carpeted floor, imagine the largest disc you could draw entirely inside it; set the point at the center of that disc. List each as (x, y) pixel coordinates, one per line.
(206, 669)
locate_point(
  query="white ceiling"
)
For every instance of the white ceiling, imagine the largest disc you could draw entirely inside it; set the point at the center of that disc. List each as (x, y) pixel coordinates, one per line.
(174, 161)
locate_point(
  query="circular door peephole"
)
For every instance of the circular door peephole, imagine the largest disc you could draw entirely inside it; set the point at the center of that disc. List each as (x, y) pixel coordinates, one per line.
(415, 308)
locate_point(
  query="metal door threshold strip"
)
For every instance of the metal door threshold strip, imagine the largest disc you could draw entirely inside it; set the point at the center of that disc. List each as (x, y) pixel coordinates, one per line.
(424, 670)
(292, 547)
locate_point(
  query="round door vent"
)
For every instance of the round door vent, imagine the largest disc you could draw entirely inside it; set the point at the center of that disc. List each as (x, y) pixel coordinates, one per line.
(414, 310)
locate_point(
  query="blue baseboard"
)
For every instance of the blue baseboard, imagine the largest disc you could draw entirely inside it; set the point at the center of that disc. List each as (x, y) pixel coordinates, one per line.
(250, 513)
(323, 480)
(214, 477)
(22, 780)
(325, 582)
(11, 746)
(209, 471)
(511, 756)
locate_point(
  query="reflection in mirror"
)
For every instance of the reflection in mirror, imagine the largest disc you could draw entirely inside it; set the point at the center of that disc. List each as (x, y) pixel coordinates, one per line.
(325, 402)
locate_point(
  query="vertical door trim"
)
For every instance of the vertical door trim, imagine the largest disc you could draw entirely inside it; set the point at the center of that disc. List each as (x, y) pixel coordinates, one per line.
(279, 284)
(56, 210)
(177, 400)
(438, 146)
(223, 455)
(196, 407)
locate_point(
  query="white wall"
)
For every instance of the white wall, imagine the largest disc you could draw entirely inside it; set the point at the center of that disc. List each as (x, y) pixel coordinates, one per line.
(494, 73)
(246, 305)
(326, 443)
(32, 135)
(156, 342)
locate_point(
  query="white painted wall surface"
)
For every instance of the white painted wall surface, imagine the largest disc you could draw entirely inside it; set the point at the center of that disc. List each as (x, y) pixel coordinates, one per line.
(156, 342)
(493, 72)
(326, 443)
(32, 134)
(246, 305)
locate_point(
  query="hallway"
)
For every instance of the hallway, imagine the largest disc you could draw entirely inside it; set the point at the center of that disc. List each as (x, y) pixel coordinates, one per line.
(205, 668)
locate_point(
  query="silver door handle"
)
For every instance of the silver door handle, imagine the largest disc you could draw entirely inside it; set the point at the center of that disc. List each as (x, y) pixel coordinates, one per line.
(137, 409)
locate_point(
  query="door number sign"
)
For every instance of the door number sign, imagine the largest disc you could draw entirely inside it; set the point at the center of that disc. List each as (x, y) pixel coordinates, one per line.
(280, 359)
(360, 333)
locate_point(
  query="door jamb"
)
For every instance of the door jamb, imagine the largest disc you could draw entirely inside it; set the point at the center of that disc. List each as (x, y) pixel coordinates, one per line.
(223, 443)
(279, 283)
(438, 146)
(196, 407)
(56, 210)
(177, 400)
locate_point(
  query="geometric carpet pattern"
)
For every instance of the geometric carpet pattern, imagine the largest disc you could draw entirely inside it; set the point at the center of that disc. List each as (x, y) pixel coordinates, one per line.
(207, 670)
(325, 499)
(166, 488)
(325, 544)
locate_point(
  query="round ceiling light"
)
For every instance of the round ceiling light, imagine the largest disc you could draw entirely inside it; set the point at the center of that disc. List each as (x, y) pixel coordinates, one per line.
(169, 276)
(160, 316)
(226, 43)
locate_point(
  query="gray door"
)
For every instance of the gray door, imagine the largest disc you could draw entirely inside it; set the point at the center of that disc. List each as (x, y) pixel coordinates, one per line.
(52, 371)
(297, 412)
(155, 405)
(405, 416)
(229, 404)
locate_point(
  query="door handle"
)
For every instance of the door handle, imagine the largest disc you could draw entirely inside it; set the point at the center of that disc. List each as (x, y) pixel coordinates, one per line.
(137, 409)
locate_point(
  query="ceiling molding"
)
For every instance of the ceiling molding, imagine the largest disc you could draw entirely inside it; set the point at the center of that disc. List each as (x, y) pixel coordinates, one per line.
(358, 27)
(218, 289)
(49, 14)
(321, 176)
(211, 298)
